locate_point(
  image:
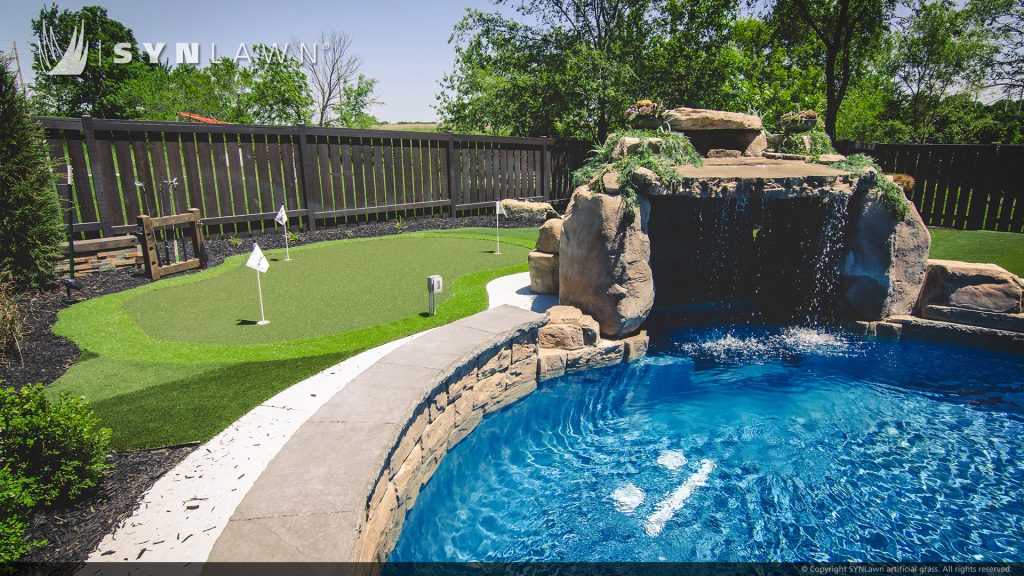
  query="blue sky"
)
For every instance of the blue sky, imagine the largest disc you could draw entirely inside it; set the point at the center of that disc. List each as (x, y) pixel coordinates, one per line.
(404, 43)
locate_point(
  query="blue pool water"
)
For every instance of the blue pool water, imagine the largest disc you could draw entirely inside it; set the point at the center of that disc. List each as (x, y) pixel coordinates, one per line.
(744, 444)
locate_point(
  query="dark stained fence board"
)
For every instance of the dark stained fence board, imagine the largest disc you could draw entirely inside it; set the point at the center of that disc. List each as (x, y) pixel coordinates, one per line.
(158, 167)
(84, 199)
(192, 184)
(223, 179)
(264, 184)
(105, 162)
(235, 170)
(126, 176)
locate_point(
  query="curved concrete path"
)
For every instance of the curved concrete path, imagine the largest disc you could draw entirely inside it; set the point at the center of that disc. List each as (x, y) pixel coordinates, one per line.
(183, 514)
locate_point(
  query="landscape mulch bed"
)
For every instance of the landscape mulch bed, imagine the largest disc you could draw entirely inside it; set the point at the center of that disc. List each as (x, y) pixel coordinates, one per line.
(74, 532)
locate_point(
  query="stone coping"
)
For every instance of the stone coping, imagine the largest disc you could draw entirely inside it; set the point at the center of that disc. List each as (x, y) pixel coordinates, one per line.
(329, 494)
(748, 168)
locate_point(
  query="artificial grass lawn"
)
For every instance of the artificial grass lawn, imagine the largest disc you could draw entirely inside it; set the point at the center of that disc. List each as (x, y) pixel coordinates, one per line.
(169, 362)
(1003, 248)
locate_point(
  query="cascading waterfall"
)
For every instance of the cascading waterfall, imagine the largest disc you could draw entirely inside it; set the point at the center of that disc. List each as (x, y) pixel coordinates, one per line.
(780, 256)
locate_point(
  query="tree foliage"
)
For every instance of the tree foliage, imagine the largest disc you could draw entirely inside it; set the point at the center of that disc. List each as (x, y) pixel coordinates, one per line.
(98, 90)
(356, 98)
(272, 89)
(940, 50)
(849, 32)
(570, 68)
(30, 216)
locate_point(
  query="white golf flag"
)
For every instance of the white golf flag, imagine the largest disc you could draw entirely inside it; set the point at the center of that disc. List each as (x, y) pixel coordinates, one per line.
(257, 261)
(282, 217)
(499, 208)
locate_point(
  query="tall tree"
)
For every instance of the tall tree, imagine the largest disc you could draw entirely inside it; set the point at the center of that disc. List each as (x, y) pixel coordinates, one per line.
(561, 68)
(849, 31)
(940, 50)
(30, 230)
(98, 89)
(353, 105)
(571, 67)
(330, 69)
(278, 91)
(768, 77)
(1005, 19)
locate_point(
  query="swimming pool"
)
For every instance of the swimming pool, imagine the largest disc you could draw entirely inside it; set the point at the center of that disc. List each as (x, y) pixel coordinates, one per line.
(743, 443)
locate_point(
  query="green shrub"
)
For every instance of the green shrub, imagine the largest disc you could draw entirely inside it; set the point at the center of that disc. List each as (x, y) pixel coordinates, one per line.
(56, 447)
(794, 143)
(675, 150)
(30, 215)
(891, 194)
(15, 508)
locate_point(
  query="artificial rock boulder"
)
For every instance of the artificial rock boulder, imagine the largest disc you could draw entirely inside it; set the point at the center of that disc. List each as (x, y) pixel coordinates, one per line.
(978, 287)
(544, 258)
(528, 212)
(604, 266)
(885, 265)
(717, 130)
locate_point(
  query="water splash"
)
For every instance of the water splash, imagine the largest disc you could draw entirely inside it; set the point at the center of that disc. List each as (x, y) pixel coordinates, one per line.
(734, 347)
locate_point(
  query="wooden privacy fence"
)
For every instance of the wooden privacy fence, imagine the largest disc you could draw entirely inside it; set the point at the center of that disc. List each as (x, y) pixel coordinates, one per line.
(972, 187)
(238, 175)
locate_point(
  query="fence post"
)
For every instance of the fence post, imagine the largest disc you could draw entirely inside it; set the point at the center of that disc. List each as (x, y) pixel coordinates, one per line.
(452, 189)
(104, 198)
(544, 169)
(305, 160)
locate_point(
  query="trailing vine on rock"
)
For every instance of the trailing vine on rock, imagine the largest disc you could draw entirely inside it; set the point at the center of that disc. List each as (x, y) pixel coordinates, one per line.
(674, 150)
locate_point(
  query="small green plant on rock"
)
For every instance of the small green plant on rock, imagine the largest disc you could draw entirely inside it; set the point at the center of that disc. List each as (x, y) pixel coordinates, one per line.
(235, 241)
(891, 195)
(293, 237)
(400, 224)
(675, 150)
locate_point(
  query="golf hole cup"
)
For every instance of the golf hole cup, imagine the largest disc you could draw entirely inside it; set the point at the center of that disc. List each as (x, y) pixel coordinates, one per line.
(434, 286)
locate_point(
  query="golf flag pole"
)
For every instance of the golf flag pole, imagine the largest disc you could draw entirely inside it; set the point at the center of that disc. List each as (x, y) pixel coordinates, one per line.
(258, 262)
(282, 219)
(499, 210)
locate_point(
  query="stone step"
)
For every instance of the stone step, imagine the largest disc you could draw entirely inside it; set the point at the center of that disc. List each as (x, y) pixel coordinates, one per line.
(995, 320)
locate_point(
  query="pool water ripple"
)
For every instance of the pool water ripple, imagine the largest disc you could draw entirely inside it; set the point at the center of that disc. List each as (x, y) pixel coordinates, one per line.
(824, 447)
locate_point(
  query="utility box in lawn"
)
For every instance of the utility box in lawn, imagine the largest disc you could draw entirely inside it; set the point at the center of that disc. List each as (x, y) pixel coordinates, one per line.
(434, 286)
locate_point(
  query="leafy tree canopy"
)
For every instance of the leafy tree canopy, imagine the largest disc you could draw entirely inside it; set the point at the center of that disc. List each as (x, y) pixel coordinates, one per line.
(98, 90)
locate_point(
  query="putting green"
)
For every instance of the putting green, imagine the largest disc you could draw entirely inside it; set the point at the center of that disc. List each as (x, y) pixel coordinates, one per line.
(338, 287)
(170, 362)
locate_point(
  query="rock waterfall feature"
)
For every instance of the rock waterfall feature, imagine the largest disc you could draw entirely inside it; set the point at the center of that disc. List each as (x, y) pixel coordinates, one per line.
(797, 237)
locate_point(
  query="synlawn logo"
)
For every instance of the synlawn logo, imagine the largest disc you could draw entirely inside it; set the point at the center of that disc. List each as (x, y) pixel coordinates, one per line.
(74, 57)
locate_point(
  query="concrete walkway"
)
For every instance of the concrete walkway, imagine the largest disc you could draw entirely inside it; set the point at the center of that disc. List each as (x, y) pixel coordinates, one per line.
(514, 290)
(183, 514)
